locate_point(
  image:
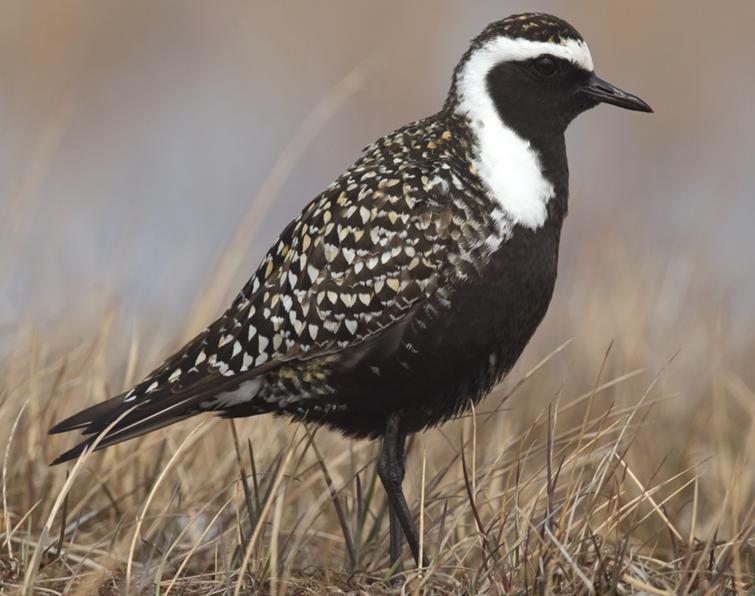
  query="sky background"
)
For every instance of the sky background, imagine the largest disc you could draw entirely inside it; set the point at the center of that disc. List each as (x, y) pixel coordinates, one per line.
(136, 135)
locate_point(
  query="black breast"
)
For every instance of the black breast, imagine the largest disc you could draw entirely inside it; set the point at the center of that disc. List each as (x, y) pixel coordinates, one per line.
(458, 355)
(488, 326)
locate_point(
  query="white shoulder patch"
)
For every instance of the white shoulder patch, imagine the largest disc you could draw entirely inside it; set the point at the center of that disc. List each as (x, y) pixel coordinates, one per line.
(507, 163)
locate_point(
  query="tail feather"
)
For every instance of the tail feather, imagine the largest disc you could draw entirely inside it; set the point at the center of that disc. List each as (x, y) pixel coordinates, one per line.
(167, 406)
(173, 392)
(106, 410)
(95, 420)
(72, 453)
(140, 416)
(121, 432)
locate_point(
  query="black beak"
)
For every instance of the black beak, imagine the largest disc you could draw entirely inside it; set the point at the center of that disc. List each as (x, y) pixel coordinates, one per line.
(602, 92)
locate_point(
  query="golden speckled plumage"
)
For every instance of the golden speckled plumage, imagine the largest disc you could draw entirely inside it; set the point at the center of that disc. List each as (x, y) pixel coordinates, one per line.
(373, 246)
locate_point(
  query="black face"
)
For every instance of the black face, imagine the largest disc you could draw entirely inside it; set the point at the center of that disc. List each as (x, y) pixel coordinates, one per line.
(539, 97)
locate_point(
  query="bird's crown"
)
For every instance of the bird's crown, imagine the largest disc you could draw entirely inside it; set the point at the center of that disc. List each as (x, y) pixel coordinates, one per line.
(524, 36)
(531, 26)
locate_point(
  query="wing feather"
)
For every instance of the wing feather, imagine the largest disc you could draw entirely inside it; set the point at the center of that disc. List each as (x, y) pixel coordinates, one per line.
(359, 260)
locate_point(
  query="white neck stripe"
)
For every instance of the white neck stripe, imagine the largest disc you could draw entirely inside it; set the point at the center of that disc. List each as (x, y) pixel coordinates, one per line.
(507, 163)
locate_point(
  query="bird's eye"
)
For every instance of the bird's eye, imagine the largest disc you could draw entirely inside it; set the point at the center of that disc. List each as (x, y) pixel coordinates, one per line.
(546, 66)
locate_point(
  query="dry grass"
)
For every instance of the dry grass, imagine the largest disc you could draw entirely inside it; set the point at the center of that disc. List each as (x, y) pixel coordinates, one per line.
(581, 474)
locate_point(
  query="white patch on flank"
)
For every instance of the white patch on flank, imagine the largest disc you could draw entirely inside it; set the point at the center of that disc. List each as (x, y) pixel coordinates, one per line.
(239, 395)
(507, 164)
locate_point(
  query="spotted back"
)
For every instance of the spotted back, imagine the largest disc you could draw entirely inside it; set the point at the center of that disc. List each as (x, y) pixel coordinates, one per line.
(357, 261)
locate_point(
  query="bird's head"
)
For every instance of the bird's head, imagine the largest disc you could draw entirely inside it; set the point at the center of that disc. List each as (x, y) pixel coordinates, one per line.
(537, 73)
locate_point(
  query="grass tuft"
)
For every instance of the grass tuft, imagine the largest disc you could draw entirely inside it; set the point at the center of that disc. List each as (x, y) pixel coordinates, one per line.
(573, 497)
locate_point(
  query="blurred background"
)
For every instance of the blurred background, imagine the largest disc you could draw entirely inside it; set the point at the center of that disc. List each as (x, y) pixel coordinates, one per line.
(135, 136)
(150, 152)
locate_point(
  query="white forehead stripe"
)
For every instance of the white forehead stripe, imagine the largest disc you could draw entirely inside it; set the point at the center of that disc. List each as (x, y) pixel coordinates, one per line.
(505, 49)
(506, 163)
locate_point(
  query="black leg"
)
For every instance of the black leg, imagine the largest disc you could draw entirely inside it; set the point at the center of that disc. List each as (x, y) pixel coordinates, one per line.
(396, 531)
(397, 541)
(391, 472)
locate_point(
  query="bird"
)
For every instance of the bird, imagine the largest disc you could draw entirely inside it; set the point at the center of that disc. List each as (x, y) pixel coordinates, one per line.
(407, 289)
